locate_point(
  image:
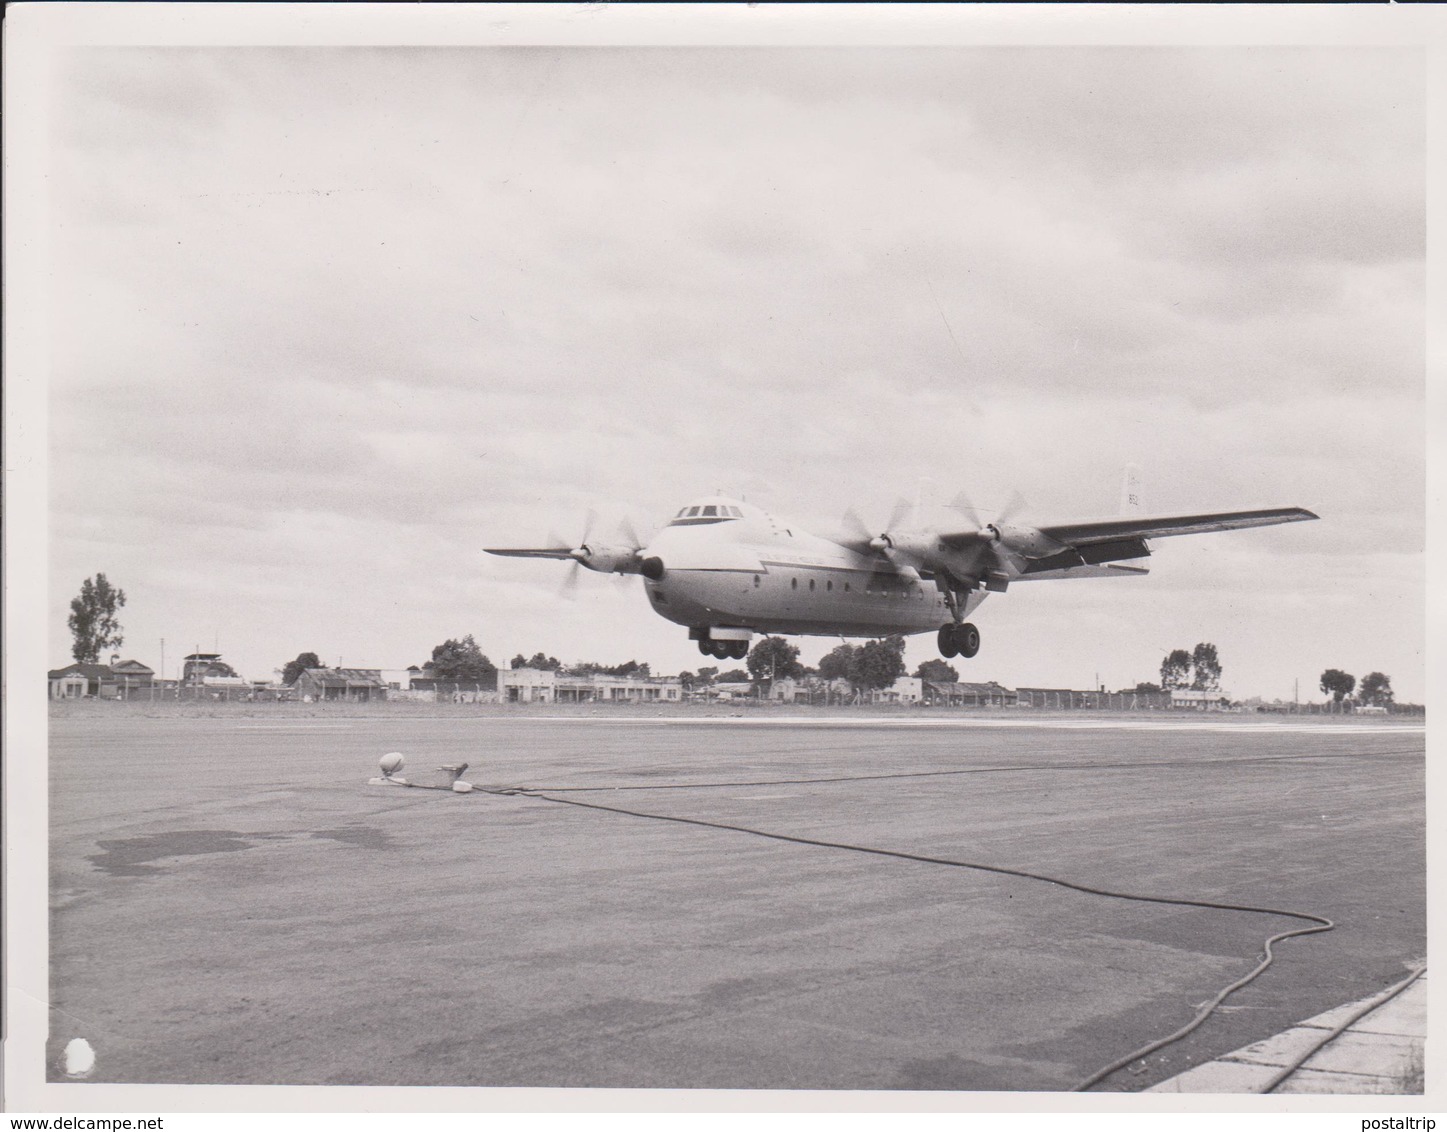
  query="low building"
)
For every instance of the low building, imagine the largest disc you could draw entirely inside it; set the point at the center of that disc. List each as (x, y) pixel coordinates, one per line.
(66, 685)
(133, 675)
(787, 690)
(602, 688)
(545, 686)
(810, 690)
(355, 684)
(200, 666)
(432, 689)
(527, 686)
(957, 694)
(905, 690)
(77, 680)
(1193, 700)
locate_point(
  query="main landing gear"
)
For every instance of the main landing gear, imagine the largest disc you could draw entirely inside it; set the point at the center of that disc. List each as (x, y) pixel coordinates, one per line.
(724, 650)
(959, 640)
(958, 637)
(721, 648)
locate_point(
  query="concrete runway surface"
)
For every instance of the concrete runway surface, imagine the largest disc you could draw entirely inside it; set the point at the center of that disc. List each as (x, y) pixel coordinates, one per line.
(232, 904)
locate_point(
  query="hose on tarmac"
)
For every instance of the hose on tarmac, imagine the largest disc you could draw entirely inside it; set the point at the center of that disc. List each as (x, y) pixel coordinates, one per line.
(1318, 923)
(1341, 1027)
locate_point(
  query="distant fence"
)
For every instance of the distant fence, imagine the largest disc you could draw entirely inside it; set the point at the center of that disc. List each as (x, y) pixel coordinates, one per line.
(1062, 699)
(191, 693)
(1342, 709)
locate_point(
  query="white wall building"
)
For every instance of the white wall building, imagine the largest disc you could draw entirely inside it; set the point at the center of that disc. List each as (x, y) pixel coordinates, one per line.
(905, 690)
(1197, 701)
(539, 686)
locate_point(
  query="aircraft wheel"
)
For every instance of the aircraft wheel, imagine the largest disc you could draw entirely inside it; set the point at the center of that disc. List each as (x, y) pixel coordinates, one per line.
(705, 647)
(967, 637)
(739, 650)
(946, 639)
(722, 650)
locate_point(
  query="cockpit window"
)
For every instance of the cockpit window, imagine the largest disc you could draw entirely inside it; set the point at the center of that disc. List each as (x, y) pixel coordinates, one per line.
(706, 513)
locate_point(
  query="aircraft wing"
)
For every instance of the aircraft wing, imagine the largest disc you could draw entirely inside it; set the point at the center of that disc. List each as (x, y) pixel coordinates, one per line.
(1073, 550)
(560, 552)
(1101, 570)
(1160, 526)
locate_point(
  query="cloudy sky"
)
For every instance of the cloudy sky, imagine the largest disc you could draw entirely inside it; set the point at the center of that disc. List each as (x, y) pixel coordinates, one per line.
(325, 322)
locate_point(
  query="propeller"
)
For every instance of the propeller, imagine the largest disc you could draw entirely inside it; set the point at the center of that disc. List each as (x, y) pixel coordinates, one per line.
(568, 589)
(962, 504)
(605, 558)
(863, 534)
(999, 544)
(634, 543)
(630, 532)
(883, 543)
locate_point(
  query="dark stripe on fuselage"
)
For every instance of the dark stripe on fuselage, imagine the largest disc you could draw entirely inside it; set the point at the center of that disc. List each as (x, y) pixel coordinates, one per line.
(925, 577)
(704, 522)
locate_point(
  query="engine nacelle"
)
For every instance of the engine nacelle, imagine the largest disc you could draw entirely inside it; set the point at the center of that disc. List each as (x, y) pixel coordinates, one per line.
(1026, 541)
(608, 559)
(910, 546)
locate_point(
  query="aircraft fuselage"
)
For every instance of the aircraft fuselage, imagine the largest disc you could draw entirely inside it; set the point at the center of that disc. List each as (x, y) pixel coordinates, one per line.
(752, 570)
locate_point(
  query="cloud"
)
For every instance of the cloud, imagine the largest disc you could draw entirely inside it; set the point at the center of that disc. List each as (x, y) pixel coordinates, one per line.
(352, 314)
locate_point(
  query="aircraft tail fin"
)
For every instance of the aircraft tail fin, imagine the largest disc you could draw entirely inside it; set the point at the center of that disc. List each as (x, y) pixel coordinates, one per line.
(1131, 502)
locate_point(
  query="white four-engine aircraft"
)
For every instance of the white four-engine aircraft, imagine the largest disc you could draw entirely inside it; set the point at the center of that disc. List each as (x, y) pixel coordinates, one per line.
(727, 570)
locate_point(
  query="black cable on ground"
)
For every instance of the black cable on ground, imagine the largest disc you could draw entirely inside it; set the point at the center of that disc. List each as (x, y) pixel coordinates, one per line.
(1366, 1008)
(1320, 923)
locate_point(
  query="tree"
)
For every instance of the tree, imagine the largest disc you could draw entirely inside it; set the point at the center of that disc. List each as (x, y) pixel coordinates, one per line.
(593, 668)
(838, 663)
(774, 658)
(540, 661)
(460, 660)
(937, 672)
(1376, 689)
(1207, 668)
(1176, 670)
(879, 663)
(1147, 686)
(295, 668)
(1337, 684)
(733, 676)
(93, 619)
(707, 673)
(630, 668)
